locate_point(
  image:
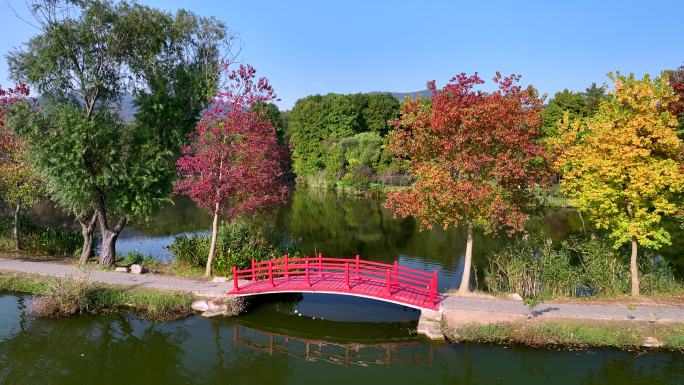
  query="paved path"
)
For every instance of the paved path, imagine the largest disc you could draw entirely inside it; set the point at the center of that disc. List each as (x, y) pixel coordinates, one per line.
(452, 304)
(664, 313)
(150, 281)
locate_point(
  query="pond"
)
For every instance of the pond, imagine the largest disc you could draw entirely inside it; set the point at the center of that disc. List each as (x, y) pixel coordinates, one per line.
(283, 341)
(342, 225)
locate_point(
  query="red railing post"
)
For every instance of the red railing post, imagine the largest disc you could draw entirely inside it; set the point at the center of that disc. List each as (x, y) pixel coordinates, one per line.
(270, 272)
(396, 272)
(357, 266)
(235, 278)
(306, 273)
(253, 271)
(320, 265)
(287, 275)
(346, 274)
(389, 282)
(433, 292)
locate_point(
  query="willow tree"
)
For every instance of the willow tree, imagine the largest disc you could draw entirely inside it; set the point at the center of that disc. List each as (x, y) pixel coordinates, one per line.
(624, 166)
(87, 57)
(475, 157)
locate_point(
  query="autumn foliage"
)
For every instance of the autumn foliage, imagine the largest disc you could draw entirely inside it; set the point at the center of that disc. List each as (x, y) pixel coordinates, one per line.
(475, 155)
(234, 159)
(624, 167)
(19, 185)
(234, 164)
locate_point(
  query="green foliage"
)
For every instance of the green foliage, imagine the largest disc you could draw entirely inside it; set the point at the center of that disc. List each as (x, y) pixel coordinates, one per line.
(101, 159)
(352, 160)
(579, 267)
(274, 115)
(22, 284)
(85, 58)
(341, 136)
(575, 104)
(237, 243)
(136, 257)
(45, 240)
(583, 335)
(182, 76)
(80, 295)
(485, 333)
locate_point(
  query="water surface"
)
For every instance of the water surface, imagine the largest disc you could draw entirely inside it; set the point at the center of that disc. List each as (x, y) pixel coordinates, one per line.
(273, 344)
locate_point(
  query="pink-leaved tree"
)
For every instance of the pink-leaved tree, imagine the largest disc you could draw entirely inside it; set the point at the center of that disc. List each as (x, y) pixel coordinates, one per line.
(234, 164)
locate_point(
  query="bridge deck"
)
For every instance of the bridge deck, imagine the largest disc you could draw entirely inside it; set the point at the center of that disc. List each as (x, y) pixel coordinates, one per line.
(336, 284)
(401, 285)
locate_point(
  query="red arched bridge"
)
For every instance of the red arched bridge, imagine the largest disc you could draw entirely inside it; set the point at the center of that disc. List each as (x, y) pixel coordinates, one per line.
(356, 277)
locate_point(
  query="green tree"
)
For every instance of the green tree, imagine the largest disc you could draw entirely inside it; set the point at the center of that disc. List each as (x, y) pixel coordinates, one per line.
(624, 166)
(182, 76)
(95, 165)
(575, 104)
(273, 114)
(319, 125)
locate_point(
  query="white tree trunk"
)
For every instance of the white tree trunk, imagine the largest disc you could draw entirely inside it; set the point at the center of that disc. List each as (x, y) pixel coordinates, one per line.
(15, 229)
(212, 246)
(465, 279)
(634, 268)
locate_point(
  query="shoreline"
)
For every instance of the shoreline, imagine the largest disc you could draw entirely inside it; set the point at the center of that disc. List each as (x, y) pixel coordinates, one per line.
(471, 318)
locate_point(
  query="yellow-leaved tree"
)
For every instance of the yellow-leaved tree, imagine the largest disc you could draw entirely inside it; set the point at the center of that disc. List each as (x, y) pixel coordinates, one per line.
(624, 166)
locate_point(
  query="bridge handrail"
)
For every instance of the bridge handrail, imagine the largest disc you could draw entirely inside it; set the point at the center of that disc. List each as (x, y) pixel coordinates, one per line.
(392, 275)
(280, 267)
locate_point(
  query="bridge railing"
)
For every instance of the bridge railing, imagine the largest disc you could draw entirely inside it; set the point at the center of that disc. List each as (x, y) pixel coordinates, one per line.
(352, 270)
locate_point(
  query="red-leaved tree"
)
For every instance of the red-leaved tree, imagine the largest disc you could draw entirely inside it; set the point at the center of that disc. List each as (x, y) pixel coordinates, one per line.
(234, 165)
(475, 156)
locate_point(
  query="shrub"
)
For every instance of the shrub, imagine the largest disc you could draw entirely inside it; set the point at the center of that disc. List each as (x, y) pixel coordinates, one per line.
(79, 295)
(579, 267)
(236, 244)
(49, 240)
(63, 297)
(531, 269)
(136, 257)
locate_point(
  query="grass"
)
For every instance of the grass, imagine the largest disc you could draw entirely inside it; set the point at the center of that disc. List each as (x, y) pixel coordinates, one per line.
(572, 334)
(23, 284)
(78, 295)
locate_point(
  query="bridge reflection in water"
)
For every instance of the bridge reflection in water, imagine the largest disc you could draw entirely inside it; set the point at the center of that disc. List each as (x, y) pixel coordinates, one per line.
(347, 354)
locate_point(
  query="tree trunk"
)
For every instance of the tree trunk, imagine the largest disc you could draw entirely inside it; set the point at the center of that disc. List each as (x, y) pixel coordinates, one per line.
(584, 227)
(108, 247)
(109, 236)
(465, 279)
(15, 229)
(212, 246)
(634, 268)
(87, 230)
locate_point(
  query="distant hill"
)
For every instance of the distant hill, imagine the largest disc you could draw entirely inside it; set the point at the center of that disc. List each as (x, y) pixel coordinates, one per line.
(402, 95)
(126, 112)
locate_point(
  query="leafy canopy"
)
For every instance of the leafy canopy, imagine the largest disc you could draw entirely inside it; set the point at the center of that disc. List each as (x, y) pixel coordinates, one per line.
(475, 155)
(90, 54)
(19, 184)
(318, 122)
(624, 166)
(234, 163)
(575, 104)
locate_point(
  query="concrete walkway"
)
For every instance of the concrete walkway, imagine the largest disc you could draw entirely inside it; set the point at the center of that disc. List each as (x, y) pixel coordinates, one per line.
(614, 312)
(150, 281)
(453, 305)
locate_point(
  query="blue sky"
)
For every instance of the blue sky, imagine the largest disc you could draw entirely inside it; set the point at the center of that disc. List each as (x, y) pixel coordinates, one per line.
(309, 47)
